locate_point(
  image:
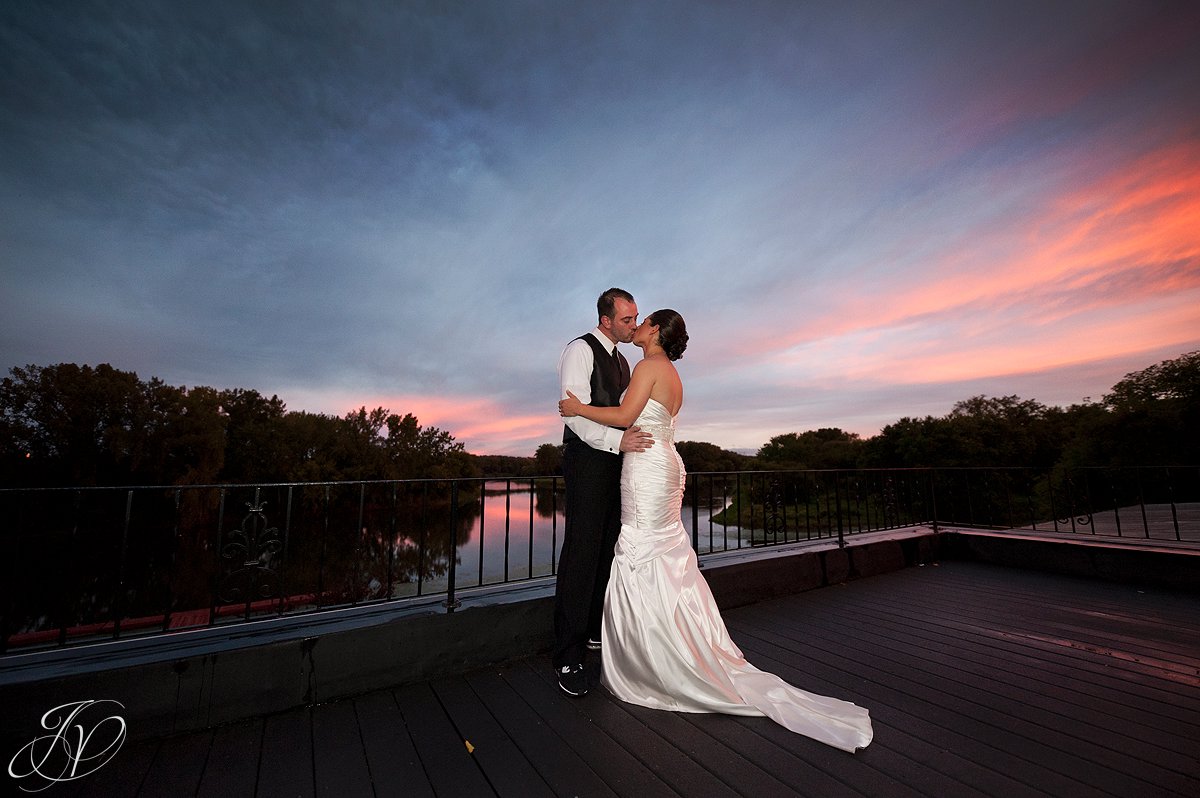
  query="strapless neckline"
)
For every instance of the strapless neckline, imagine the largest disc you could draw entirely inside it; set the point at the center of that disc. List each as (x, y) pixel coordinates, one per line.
(673, 416)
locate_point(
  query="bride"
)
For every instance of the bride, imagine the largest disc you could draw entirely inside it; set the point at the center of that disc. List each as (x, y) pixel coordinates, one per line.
(664, 644)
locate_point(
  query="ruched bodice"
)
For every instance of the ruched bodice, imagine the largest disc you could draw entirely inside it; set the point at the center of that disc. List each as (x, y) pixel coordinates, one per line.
(652, 480)
(665, 645)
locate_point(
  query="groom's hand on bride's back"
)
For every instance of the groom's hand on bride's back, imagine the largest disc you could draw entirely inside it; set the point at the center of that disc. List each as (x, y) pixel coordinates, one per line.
(635, 439)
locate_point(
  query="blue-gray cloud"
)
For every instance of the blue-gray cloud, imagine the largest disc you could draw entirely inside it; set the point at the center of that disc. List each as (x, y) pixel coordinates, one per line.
(346, 202)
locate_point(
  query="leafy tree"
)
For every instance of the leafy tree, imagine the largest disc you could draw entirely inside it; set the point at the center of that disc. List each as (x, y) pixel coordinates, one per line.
(1155, 414)
(499, 465)
(699, 457)
(185, 434)
(78, 425)
(75, 425)
(1175, 380)
(308, 448)
(1001, 431)
(253, 449)
(980, 431)
(548, 459)
(414, 451)
(911, 443)
(828, 447)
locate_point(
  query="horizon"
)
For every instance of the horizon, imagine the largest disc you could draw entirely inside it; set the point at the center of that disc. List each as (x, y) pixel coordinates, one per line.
(746, 451)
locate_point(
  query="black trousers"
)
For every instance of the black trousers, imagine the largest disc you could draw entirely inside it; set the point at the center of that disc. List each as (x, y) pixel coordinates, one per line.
(593, 523)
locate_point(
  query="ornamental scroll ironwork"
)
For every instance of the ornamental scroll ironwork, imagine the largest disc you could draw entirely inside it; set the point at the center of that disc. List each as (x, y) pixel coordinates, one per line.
(891, 505)
(1073, 518)
(774, 514)
(251, 547)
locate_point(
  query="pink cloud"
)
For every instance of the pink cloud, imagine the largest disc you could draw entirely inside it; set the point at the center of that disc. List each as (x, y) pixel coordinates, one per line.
(481, 424)
(1107, 268)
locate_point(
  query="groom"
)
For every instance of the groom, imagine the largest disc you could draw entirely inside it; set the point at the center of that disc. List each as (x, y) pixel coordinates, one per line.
(592, 369)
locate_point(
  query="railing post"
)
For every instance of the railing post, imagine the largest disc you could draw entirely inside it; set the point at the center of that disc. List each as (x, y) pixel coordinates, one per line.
(696, 513)
(119, 598)
(451, 603)
(933, 498)
(324, 545)
(172, 562)
(1171, 500)
(837, 500)
(392, 532)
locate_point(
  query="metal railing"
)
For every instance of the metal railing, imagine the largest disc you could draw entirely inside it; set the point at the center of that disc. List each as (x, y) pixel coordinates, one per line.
(746, 509)
(1149, 503)
(88, 564)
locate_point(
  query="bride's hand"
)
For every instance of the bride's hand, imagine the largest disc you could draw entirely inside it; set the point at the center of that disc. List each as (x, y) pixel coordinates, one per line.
(569, 406)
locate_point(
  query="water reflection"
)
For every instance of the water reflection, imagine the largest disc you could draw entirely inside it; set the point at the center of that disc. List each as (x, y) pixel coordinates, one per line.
(109, 563)
(515, 538)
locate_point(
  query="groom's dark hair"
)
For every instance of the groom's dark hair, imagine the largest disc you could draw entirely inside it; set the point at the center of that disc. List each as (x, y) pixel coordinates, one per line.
(606, 305)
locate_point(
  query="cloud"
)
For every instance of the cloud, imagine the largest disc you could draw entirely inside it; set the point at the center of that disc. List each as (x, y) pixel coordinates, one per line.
(863, 210)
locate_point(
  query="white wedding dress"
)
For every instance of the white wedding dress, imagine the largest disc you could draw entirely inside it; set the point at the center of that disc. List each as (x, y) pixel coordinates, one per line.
(664, 644)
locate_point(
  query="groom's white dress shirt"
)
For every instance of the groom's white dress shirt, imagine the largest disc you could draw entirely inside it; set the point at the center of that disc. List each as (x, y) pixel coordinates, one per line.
(575, 375)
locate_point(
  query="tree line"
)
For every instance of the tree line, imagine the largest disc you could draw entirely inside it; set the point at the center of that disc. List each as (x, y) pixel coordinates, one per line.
(1151, 417)
(80, 425)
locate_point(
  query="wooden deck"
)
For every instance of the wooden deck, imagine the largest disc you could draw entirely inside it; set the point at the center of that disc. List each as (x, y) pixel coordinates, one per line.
(981, 680)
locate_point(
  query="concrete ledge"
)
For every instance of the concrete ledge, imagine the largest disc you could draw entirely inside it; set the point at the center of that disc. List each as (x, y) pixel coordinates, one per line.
(192, 681)
(1132, 562)
(767, 574)
(204, 678)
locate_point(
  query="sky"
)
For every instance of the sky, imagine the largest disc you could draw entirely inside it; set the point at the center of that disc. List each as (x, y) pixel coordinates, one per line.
(864, 210)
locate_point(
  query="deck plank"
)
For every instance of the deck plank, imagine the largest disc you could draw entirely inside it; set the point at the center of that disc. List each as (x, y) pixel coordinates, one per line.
(554, 750)
(1105, 699)
(443, 752)
(654, 753)
(1097, 755)
(392, 758)
(123, 775)
(1049, 705)
(232, 759)
(285, 767)
(981, 681)
(341, 769)
(504, 764)
(646, 731)
(1003, 754)
(178, 766)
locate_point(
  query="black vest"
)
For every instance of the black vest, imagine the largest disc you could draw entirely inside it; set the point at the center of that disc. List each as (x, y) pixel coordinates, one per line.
(610, 378)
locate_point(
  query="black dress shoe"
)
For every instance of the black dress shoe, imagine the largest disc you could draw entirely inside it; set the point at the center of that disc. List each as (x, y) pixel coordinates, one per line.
(593, 643)
(572, 680)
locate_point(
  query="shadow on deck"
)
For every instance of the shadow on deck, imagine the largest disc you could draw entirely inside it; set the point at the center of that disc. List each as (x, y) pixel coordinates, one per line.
(982, 679)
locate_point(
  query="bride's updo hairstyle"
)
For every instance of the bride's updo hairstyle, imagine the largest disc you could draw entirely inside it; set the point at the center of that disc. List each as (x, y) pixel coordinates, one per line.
(672, 332)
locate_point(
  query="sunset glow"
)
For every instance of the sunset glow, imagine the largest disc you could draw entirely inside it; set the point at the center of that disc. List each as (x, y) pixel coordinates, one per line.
(864, 210)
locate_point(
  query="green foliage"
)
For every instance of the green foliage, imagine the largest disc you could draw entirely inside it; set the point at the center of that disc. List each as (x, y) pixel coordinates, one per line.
(81, 425)
(1175, 380)
(699, 457)
(499, 465)
(1151, 417)
(1154, 415)
(548, 459)
(78, 425)
(822, 448)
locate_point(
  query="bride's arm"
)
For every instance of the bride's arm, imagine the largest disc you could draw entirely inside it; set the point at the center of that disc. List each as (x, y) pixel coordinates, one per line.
(635, 398)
